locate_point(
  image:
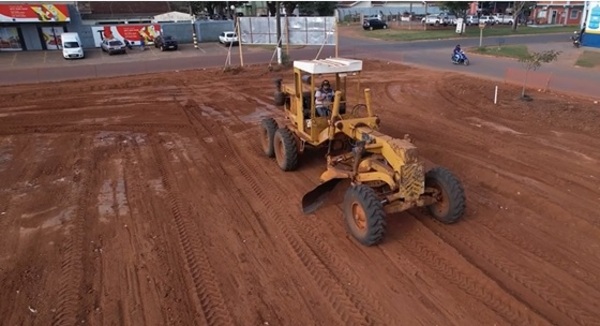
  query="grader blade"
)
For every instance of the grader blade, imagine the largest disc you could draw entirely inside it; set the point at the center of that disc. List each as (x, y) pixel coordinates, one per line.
(313, 199)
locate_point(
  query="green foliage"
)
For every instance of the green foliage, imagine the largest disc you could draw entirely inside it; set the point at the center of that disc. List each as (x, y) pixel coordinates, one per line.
(458, 8)
(510, 51)
(212, 6)
(588, 59)
(534, 60)
(519, 8)
(321, 8)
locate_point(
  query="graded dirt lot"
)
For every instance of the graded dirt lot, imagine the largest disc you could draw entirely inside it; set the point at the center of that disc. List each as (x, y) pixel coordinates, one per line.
(146, 200)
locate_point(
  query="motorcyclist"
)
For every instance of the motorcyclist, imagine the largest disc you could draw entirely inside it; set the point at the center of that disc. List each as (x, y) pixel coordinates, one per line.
(456, 52)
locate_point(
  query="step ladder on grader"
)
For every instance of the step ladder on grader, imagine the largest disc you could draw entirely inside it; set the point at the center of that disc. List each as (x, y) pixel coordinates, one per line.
(385, 173)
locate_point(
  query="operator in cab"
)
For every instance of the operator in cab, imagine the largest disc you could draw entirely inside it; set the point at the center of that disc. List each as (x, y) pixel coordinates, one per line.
(323, 97)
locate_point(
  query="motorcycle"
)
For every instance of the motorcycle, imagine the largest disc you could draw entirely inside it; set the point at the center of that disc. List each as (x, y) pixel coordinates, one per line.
(460, 58)
(576, 38)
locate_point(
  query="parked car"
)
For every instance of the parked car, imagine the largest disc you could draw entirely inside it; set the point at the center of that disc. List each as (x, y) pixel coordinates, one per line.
(451, 20)
(503, 19)
(472, 20)
(228, 38)
(165, 42)
(71, 46)
(113, 46)
(372, 24)
(434, 20)
(488, 20)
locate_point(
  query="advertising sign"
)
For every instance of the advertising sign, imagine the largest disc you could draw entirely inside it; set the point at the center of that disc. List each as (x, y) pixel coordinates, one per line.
(9, 39)
(34, 13)
(51, 37)
(592, 24)
(133, 33)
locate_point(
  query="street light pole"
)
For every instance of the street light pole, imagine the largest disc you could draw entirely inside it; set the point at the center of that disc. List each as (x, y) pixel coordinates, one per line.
(278, 19)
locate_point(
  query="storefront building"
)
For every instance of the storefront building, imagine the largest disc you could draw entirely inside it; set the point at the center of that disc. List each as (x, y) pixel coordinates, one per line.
(32, 26)
(591, 36)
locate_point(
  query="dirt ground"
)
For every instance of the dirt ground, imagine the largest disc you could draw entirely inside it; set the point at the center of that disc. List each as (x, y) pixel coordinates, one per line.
(146, 200)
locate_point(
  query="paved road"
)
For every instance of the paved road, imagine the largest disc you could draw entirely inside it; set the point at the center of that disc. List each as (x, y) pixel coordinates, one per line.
(432, 54)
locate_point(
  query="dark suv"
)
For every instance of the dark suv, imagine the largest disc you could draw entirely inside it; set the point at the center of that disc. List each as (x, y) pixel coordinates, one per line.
(165, 42)
(372, 24)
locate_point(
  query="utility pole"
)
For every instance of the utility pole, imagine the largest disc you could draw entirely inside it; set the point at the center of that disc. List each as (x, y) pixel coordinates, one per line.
(278, 19)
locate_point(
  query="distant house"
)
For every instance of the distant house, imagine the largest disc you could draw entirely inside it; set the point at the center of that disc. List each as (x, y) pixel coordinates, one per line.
(558, 12)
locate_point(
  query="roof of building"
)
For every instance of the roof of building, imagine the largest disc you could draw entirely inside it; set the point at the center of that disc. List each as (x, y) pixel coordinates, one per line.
(121, 9)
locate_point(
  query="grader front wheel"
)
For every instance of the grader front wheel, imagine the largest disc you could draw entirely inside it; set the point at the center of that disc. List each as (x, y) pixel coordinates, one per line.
(364, 215)
(450, 205)
(286, 149)
(268, 128)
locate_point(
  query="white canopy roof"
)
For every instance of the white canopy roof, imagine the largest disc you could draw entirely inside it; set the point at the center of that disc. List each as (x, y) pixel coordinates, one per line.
(173, 16)
(328, 66)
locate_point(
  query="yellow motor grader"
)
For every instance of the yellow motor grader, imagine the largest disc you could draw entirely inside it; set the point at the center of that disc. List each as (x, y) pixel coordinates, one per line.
(386, 174)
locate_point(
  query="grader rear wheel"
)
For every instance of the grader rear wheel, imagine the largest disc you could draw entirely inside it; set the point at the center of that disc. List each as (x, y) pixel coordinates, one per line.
(451, 199)
(268, 128)
(286, 149)
(364, 215)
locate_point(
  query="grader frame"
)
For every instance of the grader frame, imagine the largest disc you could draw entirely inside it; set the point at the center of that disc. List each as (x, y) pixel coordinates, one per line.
(386, 173)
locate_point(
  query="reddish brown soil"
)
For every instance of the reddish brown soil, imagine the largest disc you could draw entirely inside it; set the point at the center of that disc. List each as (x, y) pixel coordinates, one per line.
(147, 201)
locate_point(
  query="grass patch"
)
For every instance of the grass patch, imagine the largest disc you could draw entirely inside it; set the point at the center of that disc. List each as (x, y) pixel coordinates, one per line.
(471, 31)
(588, 59)
(509, 51)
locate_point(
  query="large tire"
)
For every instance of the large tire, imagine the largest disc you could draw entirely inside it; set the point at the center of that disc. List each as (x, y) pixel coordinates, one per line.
(286, 149)
(466, 62)
(451, 203)
(364, 215)
(268, 129)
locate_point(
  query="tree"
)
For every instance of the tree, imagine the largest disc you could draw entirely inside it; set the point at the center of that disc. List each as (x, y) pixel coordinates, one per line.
(272, 7)
(211, 6)
(289, 7)
(533, 61)
(321, 8)
(519, 9)
(458, 8)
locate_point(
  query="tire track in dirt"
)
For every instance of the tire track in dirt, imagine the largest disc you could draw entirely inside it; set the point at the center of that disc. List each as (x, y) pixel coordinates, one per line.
(72, 267)
(170, 306)
(346, 305)
(78, 128)
(503, 306)
(552, 226)
(212, 303)
(557, 308)
(550, 256)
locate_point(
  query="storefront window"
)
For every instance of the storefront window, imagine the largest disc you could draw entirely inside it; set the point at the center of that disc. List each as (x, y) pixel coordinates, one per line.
(9, 39)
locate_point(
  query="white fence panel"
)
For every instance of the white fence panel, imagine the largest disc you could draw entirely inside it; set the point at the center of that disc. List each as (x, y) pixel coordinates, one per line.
(294, 30)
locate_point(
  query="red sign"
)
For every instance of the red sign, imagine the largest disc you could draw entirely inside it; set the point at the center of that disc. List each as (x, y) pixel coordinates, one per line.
(147, 33)
(34, 13)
